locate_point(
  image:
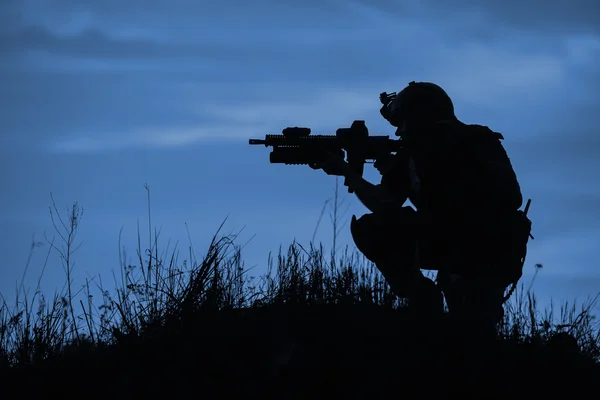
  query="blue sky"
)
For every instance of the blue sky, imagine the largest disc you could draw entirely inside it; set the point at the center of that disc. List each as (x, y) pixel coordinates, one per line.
(100, 97)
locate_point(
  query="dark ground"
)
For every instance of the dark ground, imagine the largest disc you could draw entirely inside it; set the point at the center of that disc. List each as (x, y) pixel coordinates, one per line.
(312, 352)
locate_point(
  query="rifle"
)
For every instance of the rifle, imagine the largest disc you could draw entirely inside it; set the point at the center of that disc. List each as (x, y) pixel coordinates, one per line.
(295, 146)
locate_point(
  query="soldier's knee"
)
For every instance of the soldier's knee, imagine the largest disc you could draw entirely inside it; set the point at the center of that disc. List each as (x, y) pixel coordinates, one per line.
(364, 233)
(381, 237)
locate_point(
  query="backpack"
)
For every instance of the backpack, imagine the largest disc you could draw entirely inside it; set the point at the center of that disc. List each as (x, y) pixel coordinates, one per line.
(460, 169)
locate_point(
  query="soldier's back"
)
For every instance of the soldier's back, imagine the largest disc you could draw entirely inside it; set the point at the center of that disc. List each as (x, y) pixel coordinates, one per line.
(465, 168)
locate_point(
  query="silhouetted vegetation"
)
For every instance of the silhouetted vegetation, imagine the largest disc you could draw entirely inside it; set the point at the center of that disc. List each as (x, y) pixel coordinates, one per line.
(314, 324)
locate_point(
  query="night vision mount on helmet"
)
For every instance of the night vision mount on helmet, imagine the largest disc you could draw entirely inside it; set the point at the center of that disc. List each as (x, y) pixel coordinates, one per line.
(419, 100)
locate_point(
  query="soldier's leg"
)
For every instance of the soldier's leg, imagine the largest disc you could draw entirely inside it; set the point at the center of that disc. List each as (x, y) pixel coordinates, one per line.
(476, 302)
(468, 277)
(390, 242)
(393, 252)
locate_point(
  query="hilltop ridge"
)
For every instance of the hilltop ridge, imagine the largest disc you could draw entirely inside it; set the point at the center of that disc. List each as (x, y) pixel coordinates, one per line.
(293, 351)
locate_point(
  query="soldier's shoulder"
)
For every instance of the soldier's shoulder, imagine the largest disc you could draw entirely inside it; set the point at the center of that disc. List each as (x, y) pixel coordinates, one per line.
(475, 131)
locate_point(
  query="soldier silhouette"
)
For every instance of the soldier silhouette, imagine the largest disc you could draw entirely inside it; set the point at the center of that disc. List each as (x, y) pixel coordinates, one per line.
(467, 224)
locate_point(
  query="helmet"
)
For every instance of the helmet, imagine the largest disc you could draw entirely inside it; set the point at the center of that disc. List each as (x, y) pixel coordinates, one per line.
(419, 101)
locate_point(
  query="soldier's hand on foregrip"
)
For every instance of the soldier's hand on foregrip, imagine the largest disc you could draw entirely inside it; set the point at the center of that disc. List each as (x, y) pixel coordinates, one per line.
(333, 165)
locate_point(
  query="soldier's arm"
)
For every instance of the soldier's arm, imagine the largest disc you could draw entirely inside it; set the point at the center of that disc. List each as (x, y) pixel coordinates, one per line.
(377, 198)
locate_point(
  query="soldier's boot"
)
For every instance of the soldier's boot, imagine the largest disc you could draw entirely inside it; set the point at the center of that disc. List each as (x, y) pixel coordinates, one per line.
(426, 299)
(476, 306)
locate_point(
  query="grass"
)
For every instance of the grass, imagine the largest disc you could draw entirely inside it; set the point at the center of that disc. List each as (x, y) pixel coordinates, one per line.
(208, 323)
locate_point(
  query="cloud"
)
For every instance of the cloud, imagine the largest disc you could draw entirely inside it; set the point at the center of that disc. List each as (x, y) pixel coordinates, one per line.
(144, 139)
(320, 110)
(324, 109)
(558, 17)
(116, 99)
(583, 50)
(573, 252)
(100, 86)
(89, 42)
(553, 17)
(189, 22)
(484, 75)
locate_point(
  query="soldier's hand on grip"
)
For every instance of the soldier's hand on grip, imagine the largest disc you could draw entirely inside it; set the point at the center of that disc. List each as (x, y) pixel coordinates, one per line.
(385, 164)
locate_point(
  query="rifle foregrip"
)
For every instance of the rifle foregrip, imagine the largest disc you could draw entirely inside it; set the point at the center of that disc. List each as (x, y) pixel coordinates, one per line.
(297, 156)
(357, 164)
